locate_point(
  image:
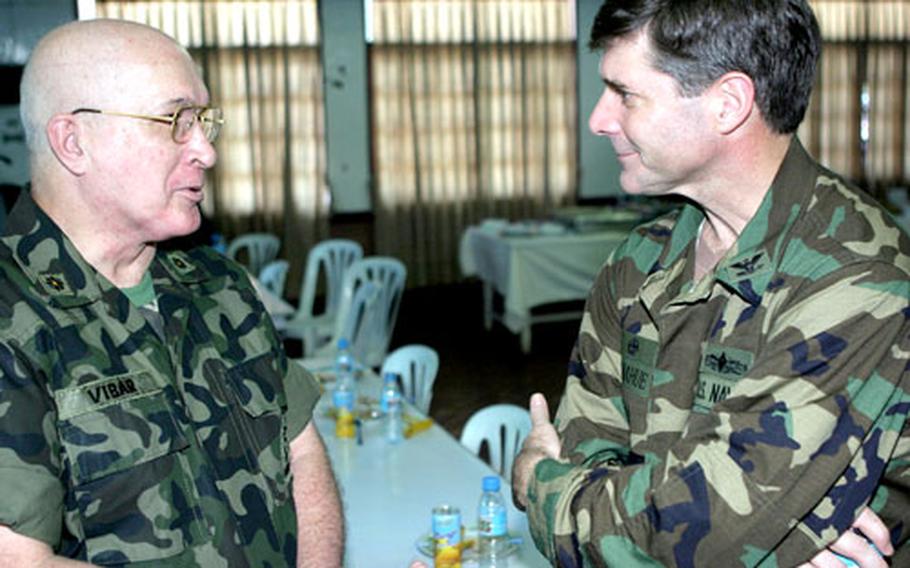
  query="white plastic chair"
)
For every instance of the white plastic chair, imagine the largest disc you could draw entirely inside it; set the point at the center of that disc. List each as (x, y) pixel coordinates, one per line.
(358, 321)
(503, 427)
(417, 365)
(274, 275)
(326, 266)
(388, 275)
(259, 249)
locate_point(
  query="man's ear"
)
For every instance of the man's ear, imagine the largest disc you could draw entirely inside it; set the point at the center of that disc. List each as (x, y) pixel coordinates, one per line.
(734, 97)
(64, 135)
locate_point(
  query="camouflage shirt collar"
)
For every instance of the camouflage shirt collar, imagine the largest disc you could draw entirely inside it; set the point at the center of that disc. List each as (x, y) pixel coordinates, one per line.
(748, 266)
(48, 257)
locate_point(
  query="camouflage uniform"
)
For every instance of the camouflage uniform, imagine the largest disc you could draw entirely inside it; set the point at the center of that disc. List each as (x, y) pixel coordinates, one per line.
(117, 447)
(744, 419)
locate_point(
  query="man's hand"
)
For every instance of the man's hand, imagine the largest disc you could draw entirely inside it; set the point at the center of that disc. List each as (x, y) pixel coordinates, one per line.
(856, 546)
(542, 442)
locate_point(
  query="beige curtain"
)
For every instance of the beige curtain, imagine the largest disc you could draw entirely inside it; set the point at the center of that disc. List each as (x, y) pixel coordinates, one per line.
(260, 60)
(858, 121)
(473, 106)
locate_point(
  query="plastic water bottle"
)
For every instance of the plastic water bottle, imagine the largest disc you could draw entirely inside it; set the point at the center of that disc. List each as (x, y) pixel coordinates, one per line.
(390, 405)
(344, 363)
(492, 525)
(344, 394)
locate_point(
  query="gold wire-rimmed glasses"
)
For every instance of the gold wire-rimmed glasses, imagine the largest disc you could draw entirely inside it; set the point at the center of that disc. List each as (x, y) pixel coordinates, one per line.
(182, 120)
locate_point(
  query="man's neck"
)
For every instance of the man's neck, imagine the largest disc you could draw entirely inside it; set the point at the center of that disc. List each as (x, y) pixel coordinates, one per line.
(120, 260)
(734, 196)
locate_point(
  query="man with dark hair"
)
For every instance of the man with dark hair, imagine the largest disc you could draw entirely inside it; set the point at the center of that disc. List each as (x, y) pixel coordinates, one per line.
(739, 391)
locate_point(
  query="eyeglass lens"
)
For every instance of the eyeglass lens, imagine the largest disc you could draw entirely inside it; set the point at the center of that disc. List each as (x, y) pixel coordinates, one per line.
(209, 118)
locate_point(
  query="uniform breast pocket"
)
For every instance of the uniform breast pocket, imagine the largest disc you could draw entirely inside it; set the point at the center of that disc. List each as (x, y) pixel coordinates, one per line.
(258, 424)
(131, 489)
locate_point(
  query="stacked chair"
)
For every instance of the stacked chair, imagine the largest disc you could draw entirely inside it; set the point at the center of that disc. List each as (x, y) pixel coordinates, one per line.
(274, 275)
(258, 249)
(368, 309)
(326, 266)
(503, 428)
(417, 366)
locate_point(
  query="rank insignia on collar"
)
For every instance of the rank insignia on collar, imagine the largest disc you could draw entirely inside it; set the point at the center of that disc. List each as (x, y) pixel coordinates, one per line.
(181, 262)
(747, 266)
(56, 283)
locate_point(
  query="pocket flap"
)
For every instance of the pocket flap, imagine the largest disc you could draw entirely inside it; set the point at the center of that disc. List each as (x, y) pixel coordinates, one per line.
(108, 436)
(259, 385)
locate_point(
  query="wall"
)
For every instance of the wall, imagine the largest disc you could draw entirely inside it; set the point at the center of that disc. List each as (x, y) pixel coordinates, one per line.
(22, 23)
(598, 169)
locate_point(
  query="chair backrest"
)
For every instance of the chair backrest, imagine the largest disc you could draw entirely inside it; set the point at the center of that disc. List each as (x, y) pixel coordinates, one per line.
(259, 248)
(326, 263)
(388, 275)
(357, 323)
(417, 365)
(274, 275)
(503, 427)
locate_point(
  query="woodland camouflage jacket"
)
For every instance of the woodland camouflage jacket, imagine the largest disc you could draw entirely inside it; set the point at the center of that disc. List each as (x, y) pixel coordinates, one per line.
(118, 447)
(746, 418)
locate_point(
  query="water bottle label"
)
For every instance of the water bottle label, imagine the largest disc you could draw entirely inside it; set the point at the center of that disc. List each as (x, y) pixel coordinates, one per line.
(343, 399)
(494, 525)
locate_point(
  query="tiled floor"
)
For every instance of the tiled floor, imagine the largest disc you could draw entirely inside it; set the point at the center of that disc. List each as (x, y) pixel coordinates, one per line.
(478, 368)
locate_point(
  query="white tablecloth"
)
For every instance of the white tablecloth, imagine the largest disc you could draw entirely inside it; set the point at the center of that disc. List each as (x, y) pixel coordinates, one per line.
(531, 271)
(389, 491)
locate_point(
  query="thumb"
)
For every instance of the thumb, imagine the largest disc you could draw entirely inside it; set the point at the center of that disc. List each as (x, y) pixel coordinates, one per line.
(540, 412)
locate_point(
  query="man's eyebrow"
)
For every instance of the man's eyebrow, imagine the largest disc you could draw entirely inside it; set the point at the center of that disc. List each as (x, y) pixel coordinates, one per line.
(177, 102)
(615, 86)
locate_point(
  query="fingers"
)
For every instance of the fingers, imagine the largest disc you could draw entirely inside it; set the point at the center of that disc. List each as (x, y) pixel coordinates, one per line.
(875, 530)
(858, 549)
(824, 559)
(540, 412)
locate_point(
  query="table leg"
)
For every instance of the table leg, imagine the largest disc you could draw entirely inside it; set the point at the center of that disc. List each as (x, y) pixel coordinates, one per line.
(526, 337)
(487, 305)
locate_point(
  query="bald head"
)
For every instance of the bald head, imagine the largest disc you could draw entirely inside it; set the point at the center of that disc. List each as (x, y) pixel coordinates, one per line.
(94, 63)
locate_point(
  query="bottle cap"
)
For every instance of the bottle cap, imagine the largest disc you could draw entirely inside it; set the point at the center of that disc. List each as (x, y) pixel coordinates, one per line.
(491, 483)
(343, 343)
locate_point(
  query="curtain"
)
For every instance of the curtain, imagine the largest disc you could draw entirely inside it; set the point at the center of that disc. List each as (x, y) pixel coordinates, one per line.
(473, 106)
(260, 60)
(857, 123)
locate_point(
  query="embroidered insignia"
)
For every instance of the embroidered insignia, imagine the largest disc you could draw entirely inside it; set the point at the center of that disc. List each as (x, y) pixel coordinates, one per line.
(748, 266)
(721, 368)
(56, 282)
(180, 262)
(724, 366)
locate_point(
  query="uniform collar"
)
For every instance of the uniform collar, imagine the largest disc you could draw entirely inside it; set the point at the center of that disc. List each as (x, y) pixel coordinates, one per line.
(51, 261)
(748, 266)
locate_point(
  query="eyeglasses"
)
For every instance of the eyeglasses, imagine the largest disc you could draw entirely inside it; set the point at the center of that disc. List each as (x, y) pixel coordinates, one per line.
(182, 120)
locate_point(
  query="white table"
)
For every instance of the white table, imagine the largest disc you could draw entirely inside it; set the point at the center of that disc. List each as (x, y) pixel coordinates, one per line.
(534, 270)
(389, 490)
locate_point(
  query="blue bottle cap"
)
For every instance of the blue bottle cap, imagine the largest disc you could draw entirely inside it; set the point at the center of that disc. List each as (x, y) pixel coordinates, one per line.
(491, 483)
(343, 343)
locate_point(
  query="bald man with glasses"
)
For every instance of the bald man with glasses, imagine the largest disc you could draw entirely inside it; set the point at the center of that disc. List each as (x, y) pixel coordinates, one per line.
(148, 413)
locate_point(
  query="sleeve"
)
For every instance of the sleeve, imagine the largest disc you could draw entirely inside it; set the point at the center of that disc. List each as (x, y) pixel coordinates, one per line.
(771, 474)
(31, 502)
(303, 393)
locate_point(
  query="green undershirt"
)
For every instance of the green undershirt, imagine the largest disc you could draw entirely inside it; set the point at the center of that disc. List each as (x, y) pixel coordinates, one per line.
(141, 294)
